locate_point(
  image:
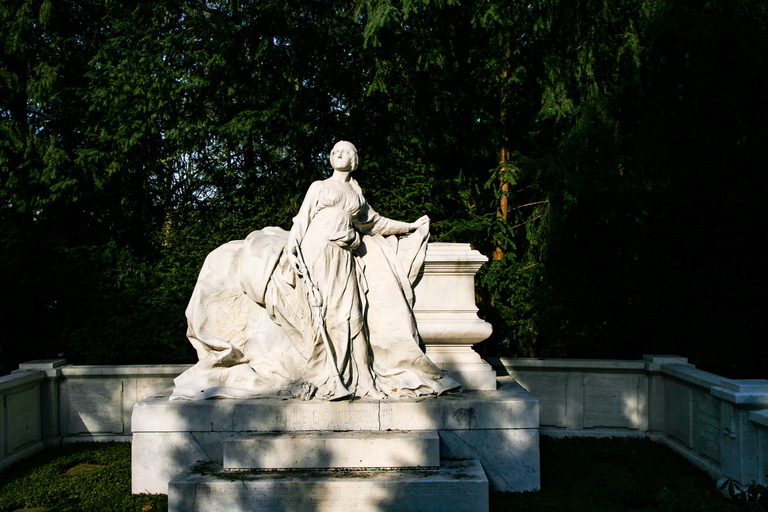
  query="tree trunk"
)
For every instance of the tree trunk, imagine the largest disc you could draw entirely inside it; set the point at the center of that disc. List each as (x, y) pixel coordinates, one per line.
(502, 212)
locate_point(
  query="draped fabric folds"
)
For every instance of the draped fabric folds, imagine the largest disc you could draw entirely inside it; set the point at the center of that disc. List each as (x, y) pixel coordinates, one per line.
(250, 321)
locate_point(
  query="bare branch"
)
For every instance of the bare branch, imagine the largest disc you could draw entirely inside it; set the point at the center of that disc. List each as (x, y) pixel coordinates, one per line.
(531, 204)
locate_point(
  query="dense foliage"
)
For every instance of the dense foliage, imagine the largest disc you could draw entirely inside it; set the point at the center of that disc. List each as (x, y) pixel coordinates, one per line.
(608, 155)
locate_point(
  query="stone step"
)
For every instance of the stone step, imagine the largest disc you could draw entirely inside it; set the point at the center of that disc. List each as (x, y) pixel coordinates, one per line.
(457, 486)
(329, 450)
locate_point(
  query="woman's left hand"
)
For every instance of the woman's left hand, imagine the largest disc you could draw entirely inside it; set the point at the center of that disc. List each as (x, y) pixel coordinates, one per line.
(420, 222)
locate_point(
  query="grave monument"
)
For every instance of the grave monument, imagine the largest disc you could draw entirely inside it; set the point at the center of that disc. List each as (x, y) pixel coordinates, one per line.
(312, 391)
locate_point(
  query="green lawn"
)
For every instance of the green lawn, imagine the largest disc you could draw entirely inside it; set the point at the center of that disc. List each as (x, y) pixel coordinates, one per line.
(77, 477)
(577, 475)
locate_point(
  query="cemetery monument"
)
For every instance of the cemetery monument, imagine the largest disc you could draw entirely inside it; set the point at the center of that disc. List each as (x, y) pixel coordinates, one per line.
(312, 391)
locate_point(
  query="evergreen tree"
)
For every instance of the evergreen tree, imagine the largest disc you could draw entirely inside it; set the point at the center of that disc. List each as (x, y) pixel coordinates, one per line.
(607, 156)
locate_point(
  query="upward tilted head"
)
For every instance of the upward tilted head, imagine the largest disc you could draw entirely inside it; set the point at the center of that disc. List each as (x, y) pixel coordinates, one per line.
(344, 156)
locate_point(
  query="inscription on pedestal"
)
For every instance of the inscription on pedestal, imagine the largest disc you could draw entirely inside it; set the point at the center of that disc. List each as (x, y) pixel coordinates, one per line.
(326, 450)
(326, 419)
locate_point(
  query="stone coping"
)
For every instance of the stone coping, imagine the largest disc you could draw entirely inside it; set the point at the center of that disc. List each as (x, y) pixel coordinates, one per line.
(690, 374)
(139, 370)
(759, 417)
(746, 385)
(591, 365)
(43, 364)
(438, 252)
(747, 392)
(660, 359)
(510, 406)
(20, 379)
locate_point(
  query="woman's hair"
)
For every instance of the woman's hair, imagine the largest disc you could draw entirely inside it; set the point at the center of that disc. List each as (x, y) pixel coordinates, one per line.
(343, 144)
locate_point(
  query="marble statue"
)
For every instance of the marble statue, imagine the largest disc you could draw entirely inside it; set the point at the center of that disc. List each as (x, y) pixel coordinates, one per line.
(323, 311)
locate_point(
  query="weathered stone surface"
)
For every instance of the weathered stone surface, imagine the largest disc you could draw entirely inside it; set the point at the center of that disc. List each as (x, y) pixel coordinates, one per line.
(612, 401)
(23, 407)
(326, 450)
(168, 435)
(510, 457)
(446, 314)
(511, 407)
(20, 416)
(463, 364)
(551, 389)
(93, 406)
(458, 486)
(744, 392)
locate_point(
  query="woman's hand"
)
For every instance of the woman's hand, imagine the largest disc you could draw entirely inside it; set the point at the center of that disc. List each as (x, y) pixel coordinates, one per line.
(293, 257)
(420, 222)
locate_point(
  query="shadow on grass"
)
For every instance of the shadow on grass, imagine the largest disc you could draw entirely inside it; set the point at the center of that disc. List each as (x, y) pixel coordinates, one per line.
(588, 474)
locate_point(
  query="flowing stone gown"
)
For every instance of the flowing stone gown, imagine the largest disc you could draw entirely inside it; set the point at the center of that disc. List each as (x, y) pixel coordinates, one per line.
(250, 320)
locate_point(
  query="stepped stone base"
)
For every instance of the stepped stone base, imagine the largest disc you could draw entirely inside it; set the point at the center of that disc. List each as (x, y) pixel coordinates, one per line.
(499, 428)
(457, 486)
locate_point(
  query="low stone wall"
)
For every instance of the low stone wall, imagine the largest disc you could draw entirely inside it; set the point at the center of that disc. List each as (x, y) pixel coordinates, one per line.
(91, 403)
(20, 416)
(715, 422)
(97, 401)
(583, 396)
(719, 424)
(760, 420)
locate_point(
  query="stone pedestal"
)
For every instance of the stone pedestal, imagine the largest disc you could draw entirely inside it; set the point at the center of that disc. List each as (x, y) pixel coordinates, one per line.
(498, 428)
(446, 314)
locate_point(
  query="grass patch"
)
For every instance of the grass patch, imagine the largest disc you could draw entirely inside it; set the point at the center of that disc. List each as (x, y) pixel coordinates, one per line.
(77, 477)
(578, 474)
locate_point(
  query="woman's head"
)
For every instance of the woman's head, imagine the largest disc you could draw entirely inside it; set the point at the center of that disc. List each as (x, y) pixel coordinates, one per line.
(344, 156)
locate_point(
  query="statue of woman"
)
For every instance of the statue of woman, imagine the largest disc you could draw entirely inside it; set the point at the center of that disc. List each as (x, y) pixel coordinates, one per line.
(323, 311)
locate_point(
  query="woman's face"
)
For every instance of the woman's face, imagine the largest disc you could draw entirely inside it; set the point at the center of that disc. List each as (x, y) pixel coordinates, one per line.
(343, 157)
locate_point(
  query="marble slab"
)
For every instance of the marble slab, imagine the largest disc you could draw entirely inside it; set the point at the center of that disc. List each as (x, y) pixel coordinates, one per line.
(325, 450)
(510, 406)
(458, 486)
